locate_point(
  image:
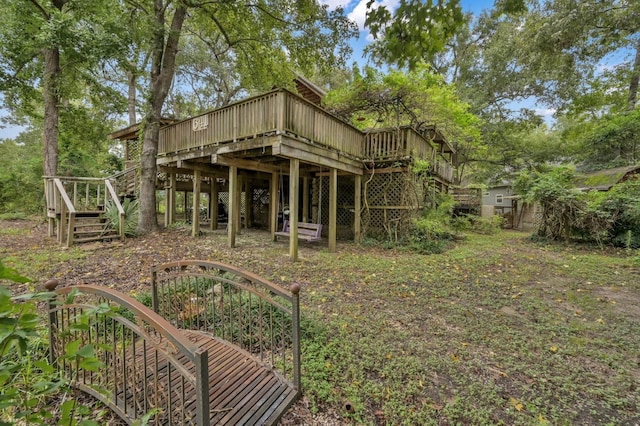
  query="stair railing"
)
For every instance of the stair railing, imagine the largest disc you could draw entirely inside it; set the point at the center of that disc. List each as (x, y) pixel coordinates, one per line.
(113, 198)
(67, 196)
(127, 182)
(63, 205)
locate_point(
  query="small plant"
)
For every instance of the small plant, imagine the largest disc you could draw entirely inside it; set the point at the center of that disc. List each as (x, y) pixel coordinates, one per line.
(130, 208)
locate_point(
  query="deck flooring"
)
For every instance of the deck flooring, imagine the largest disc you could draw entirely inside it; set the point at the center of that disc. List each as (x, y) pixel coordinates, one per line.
(242, 390)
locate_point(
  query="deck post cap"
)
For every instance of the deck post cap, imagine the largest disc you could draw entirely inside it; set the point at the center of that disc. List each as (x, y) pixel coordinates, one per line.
(51, 284)
(295, 288)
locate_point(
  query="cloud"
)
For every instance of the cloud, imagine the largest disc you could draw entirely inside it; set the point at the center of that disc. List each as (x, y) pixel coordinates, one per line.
(359, 13)
(545, 112)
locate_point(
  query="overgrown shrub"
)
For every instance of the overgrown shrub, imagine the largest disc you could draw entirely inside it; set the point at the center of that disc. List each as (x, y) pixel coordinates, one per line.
(432, 233)
(611, 217)
(487, 225)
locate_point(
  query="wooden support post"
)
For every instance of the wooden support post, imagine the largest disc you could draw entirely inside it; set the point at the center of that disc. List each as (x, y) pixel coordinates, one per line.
(185, 205)
(62, 223)
(171, 200)
(333, 208)
(195, 206)
(233, 205)
(273, 205)
(305, 199)
(294, 175)
(248, 220)
(213, 203)
(357, 208)
(239, 211)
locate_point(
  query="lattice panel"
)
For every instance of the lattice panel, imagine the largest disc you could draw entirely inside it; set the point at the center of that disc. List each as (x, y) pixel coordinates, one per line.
(345, 208)
(134, 148)
(390, 202)
(260, 207)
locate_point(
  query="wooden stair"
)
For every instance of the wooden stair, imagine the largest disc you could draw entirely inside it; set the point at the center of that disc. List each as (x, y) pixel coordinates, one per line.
(93, 226)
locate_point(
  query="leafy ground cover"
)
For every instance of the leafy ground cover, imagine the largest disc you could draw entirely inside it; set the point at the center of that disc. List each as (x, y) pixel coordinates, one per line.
(498, 329)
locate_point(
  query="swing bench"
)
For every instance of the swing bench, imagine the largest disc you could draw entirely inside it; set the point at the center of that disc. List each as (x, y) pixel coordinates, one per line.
(306, 231)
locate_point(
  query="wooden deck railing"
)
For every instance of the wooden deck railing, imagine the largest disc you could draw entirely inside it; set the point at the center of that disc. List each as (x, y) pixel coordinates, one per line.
(282, 112)
(66, 197)
(235, 305)
(273, 112)
(127, 182)
(145, 362)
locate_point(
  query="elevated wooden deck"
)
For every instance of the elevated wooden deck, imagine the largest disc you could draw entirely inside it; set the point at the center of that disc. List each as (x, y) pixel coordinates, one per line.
(263, 132)
(139, 363)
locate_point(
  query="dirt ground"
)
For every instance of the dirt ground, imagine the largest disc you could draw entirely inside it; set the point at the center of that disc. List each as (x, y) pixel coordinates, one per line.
(523, 322)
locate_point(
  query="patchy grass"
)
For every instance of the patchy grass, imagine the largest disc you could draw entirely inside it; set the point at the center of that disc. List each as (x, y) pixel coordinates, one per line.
(498, 330)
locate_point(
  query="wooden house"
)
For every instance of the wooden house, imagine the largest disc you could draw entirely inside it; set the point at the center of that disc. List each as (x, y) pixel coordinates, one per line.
(280, 152)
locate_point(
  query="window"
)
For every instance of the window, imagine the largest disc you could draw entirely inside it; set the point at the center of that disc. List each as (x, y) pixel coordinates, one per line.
(498, 198)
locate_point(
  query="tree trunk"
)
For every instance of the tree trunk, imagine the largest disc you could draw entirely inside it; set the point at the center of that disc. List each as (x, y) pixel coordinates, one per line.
(163, 68)
(635, 80)
(51, 95)
(131, 78)
(147, 220)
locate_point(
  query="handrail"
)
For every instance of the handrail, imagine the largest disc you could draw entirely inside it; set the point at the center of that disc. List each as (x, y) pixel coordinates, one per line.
(63, 194)
(139, 310)
(116, 202)
(210, 296)
(74, 178)
(144, 358)
(121, 173)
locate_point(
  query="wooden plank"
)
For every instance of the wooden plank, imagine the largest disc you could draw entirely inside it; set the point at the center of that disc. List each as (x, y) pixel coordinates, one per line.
(333, 208)
(244, 164)
(322, 157)
(357, 208)
(273, 205)
(294, 169)
(233, 184)
(195, 206)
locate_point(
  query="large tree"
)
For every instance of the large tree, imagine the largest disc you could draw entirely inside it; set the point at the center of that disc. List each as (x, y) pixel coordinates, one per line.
(49, 52)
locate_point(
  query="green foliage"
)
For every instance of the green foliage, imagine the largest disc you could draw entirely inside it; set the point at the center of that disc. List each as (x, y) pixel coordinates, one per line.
(480, 225)
(609, 141)
(11, 275)
(131, 209)
(432, 233)
(487, 226)
(611, 217)
(21, 173)
(413, 32)
(28, 382)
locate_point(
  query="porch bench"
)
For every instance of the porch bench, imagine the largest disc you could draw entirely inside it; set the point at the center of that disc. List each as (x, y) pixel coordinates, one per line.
(306, 231)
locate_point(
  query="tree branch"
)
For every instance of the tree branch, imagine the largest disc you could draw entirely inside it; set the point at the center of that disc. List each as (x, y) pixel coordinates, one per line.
(40, 8)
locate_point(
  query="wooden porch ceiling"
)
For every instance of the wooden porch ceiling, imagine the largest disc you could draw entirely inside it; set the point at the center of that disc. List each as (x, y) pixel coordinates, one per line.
(269, 154)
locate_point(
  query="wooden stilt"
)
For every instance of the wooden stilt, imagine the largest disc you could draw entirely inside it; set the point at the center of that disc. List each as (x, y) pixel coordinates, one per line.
(333, 208)
(294, 174)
